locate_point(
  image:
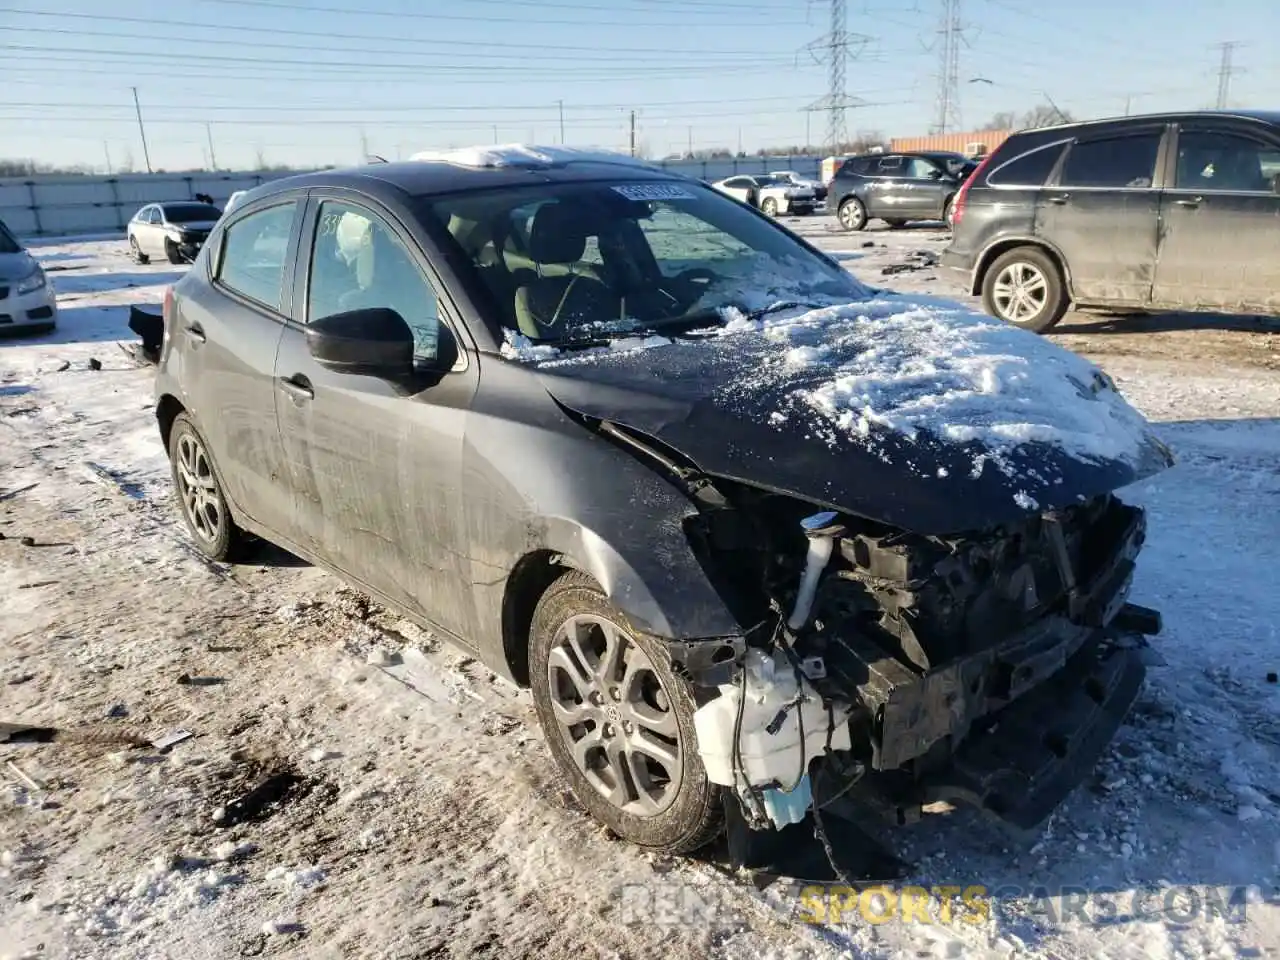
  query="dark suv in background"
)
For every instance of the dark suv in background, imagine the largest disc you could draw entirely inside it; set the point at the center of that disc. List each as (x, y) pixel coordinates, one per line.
(897, 187)
(1156, 212)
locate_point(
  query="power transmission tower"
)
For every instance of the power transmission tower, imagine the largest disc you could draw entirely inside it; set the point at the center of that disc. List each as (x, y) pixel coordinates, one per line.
(1226, 70)
(951, 36)
(835, 49)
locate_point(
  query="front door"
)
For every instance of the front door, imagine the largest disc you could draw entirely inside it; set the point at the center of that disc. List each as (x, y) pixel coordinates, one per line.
(1103, 215)
(228, 334)
(1220, 244)
(376, 467)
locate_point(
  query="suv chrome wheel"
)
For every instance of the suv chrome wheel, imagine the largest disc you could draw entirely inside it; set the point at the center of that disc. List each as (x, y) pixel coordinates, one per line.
(1020, 292)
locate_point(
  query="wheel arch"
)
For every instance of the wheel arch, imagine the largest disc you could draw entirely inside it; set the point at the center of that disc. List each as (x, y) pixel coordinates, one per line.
(1003, 246)
(669, 596)
(168, 407)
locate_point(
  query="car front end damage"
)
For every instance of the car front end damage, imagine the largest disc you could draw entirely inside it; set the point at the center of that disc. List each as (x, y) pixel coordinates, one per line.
(990, 668)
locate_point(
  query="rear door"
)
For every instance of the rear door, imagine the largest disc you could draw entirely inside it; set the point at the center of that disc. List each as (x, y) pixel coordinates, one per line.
(227, 330)
(375, 468)
(888, 192)
(1101, 211)
(1220, 215)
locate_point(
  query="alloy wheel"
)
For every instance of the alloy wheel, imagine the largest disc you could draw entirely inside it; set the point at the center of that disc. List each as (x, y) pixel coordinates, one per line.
(614, 715)
(851, 215)
(198, 489)
(1020, 292)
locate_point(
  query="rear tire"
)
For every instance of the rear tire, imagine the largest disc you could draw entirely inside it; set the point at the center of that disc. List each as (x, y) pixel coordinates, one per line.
(948, 211)
(852, 214)
(199, 492)
(608, 702)
(769, 207)
(1025, 288)
(136, 251)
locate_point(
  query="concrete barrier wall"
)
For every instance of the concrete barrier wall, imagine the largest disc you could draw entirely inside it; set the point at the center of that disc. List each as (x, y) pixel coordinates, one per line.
(68, 205)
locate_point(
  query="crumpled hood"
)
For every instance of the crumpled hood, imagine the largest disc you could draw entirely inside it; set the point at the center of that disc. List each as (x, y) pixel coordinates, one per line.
(16, 266)
(910, 411)
(195, 226)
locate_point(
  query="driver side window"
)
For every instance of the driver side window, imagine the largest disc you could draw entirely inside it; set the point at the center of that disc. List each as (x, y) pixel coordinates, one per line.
(359, 263)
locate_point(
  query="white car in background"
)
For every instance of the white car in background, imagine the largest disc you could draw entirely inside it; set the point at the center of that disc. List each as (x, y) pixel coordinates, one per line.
(175, 230)
(27, 301)
(790, 176)
(769, 194)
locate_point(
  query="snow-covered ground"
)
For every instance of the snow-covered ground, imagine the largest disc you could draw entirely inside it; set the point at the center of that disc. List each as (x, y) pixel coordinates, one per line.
(419, 815)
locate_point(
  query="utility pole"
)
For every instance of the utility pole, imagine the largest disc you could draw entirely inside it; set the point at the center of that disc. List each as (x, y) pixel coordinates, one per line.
(835, 49)
(951, 36)
(213, 160)
(364, 147)
(561, 103)
(739, 141)
(106, 150)
(495, 133)
(146, 154)
(633, 133)
(691, 141)
(1226, 70)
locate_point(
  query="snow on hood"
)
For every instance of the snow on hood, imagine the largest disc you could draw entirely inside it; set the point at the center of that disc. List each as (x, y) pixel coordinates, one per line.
(520, 155)
(912, 365)
(908, 365)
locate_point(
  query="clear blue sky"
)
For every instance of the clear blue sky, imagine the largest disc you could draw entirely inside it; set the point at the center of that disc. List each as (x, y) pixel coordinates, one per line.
(303, 82)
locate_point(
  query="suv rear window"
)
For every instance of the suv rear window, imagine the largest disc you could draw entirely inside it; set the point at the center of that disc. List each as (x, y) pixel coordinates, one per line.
(1029, 170)
(1116, 162)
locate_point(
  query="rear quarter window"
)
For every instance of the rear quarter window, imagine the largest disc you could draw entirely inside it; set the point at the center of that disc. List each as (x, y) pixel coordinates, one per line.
(1030, 169)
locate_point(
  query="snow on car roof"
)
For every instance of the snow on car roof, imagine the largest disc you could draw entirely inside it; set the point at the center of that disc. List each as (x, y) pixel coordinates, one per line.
(521, 155)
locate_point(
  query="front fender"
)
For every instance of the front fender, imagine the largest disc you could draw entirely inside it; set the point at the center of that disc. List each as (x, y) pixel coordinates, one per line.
(653, 576)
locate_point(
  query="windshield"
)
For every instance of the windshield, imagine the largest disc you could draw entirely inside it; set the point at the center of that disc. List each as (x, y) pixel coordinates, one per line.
(190, 212)
(8, 244)
(593, 260)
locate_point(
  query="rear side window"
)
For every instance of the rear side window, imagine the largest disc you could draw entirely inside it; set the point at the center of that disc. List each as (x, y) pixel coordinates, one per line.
(1029, 170)
(1116, 162)
(253, 254)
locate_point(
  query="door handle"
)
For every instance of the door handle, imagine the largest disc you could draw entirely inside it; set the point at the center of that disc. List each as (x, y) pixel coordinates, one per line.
(1192, 202)
(196, 331)
(1061, 199)
(297, 386)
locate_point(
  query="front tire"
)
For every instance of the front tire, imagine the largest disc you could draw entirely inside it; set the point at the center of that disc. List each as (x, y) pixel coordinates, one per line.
(619, 721)
(852, 214)
(199, 492)
(171, 251)
(769, 207)
(1025, 288)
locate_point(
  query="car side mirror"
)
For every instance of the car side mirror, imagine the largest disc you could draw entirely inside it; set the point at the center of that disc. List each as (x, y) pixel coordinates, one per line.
(374, 342)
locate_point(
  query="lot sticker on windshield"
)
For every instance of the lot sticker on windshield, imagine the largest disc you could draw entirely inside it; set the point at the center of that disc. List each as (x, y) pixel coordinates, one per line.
(654, 191)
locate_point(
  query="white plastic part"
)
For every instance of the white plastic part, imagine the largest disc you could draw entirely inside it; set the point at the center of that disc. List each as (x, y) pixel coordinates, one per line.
(819, 555)
(766, 757)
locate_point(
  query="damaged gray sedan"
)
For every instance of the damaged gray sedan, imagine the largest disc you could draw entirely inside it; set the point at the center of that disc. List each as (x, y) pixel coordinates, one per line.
(755, 535)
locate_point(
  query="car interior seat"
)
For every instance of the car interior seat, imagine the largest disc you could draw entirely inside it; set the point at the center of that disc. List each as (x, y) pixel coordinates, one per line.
(550, 302)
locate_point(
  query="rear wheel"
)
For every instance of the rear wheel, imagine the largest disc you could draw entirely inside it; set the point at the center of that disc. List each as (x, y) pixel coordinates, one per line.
(136, 251)
(769, 207)
(1024, 287)
(619, 721)
(200, 495)
(852, 214)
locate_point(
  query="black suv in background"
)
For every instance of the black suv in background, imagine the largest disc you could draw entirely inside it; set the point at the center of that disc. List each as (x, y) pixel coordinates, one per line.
(897, 187)
(1156, 212)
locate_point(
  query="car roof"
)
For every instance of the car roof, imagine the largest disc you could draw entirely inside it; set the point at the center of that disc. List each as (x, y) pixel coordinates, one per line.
(1259, 116)
(424, 178)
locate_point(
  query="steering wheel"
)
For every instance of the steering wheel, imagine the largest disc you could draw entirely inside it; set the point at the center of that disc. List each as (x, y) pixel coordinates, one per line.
(695, 274)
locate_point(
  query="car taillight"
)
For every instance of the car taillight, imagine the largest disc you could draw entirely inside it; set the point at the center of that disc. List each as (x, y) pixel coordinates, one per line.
(957, 205)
